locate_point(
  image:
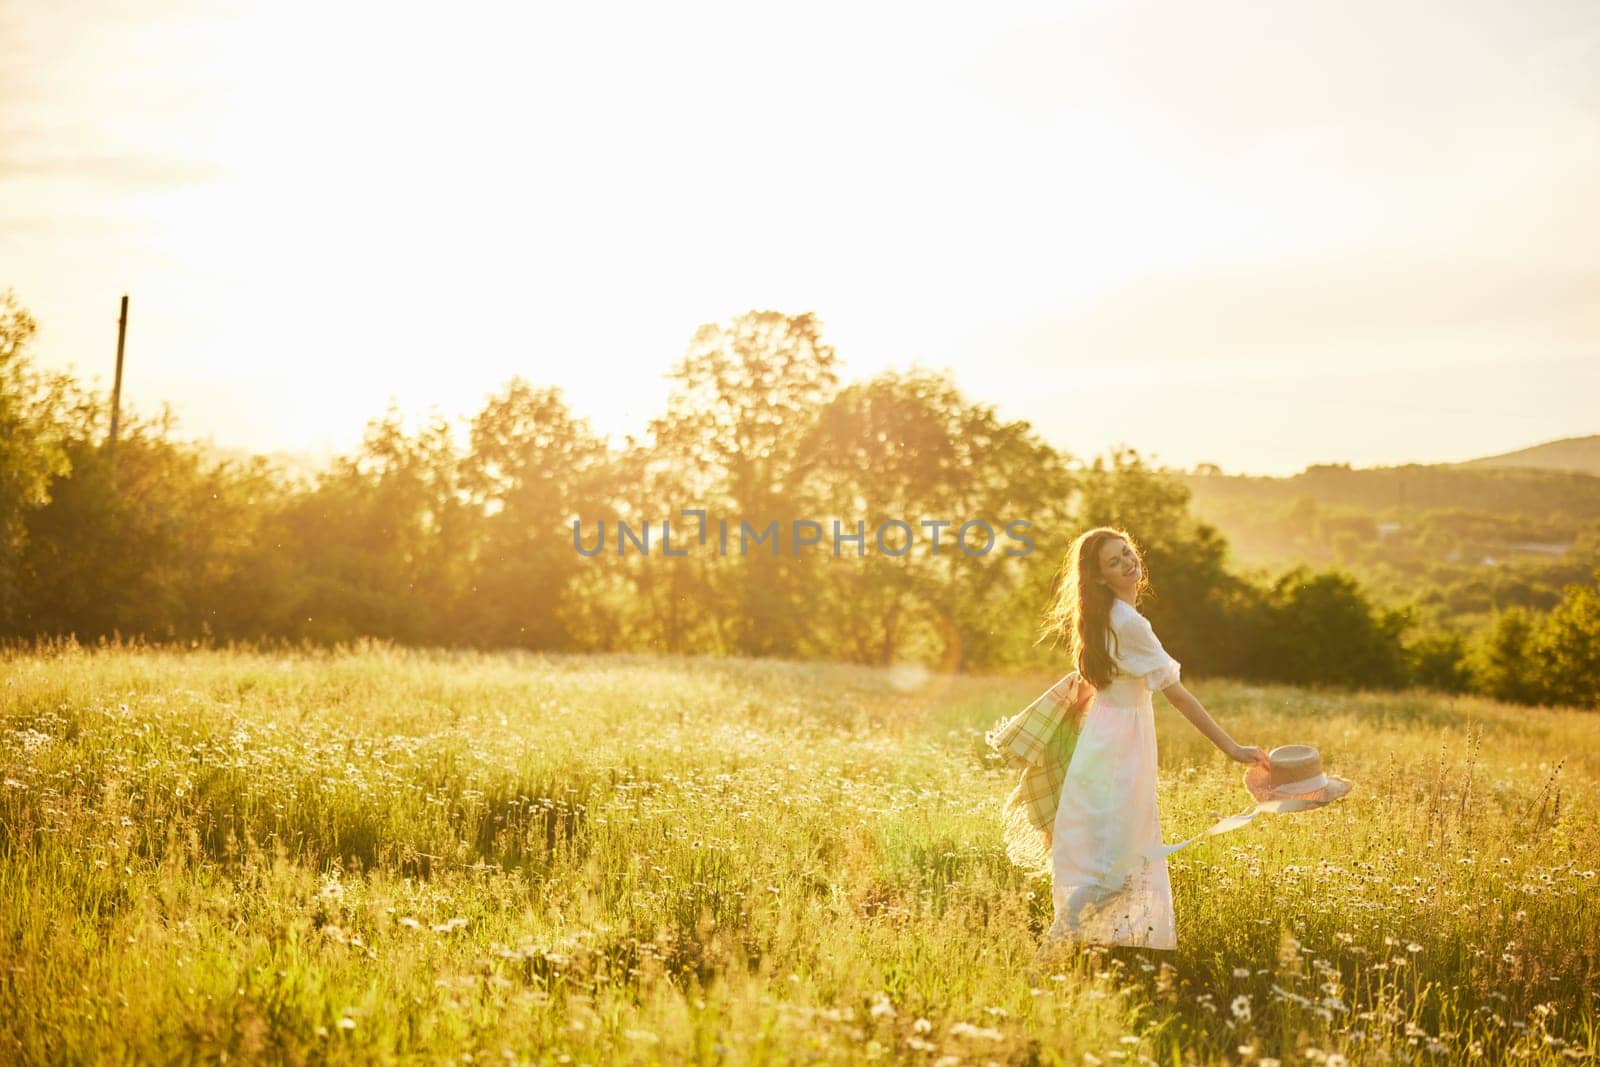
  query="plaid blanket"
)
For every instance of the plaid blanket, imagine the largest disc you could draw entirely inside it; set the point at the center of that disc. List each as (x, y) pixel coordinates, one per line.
(1038, 742)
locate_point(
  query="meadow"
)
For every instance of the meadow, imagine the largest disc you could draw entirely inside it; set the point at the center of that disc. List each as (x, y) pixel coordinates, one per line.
(370, 854)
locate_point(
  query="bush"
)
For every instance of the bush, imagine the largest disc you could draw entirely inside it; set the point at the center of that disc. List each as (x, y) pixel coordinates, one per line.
(1567, 647)
(1439, 661)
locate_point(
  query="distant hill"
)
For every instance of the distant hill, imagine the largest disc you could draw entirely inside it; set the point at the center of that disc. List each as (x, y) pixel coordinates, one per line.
(1477, 487)
(1580, 454)
(1459, 539)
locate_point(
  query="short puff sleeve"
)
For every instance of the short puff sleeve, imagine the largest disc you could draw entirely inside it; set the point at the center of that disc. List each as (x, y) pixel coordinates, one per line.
(1140, 653)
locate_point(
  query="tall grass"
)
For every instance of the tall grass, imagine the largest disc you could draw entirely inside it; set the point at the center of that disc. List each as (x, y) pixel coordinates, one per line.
(374, 854)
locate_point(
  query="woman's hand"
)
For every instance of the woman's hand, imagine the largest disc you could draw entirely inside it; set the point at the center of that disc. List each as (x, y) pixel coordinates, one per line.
(1251, 754)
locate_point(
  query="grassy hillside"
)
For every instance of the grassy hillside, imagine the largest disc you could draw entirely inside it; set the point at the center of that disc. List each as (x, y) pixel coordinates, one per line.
(379, 855)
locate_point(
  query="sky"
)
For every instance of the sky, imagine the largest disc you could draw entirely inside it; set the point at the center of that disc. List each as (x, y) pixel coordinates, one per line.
(1259, 236)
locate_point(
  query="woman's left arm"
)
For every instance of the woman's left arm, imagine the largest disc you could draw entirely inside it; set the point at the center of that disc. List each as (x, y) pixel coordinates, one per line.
(1191, 708)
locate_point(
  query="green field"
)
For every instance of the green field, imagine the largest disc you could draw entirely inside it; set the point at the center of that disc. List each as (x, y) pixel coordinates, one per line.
(392, 856)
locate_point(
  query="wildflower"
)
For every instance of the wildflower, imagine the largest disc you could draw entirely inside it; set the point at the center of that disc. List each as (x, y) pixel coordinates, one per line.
(881, 1006)
(1413, 947)
(411, 924)
(1336, 1060)
(1241, 1008)
(922, 1026)
(347, 1024)
(1241, 972)
(1285, 994)
(965, 1029)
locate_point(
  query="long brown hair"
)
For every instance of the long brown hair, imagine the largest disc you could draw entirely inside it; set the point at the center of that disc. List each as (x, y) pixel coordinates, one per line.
(1080, 606)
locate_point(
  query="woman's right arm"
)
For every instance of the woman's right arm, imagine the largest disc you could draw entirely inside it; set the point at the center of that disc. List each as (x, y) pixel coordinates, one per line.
(1191, 708)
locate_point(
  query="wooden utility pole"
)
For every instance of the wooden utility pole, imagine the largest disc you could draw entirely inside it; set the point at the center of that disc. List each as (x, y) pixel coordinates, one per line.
(116, 390)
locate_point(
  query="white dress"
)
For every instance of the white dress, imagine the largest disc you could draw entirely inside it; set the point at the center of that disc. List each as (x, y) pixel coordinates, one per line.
(1104, 890)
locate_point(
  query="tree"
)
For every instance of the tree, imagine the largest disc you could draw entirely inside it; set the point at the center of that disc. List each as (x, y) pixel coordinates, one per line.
(380, 547)
(744, 398)
(638, 601)
(532, 470)
(908, 447)
(1567, 647)
(1438, 660)
(1320, 628)
(31, 448)
(1303, 521)
(150, 541)
(1503, 666)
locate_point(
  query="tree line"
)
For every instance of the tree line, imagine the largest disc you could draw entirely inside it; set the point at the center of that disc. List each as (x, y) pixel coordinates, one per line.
(419, 539)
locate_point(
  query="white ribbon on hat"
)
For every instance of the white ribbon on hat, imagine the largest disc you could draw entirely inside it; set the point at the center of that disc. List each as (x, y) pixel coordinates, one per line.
(1305, 785)
(1120, 876)
(1233, 822)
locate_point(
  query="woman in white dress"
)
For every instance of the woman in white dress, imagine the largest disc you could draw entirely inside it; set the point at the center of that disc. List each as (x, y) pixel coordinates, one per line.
(1106, 889)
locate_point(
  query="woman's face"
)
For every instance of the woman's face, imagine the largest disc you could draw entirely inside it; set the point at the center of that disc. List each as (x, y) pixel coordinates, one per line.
(1119, 567)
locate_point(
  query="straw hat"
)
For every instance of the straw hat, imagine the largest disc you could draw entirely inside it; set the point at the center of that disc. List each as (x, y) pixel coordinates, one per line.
(1296, 782)
(1296, 775)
